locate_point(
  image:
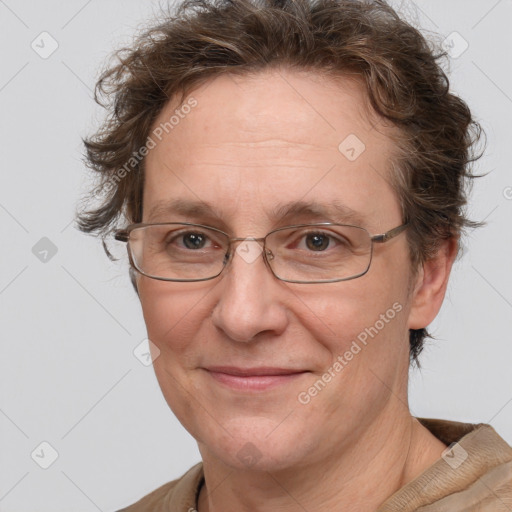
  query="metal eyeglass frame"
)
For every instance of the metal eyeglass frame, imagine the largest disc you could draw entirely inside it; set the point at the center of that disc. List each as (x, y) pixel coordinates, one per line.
(123, 235)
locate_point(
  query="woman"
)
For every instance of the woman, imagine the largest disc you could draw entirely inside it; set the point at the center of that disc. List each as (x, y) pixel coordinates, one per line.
(293, 178)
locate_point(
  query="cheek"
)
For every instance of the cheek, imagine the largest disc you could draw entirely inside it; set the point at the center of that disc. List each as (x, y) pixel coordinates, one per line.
(351, 310)
(363, 330)
(173, 313)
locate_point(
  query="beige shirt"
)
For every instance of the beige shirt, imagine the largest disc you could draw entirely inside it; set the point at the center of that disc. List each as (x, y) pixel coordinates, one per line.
(475, 475)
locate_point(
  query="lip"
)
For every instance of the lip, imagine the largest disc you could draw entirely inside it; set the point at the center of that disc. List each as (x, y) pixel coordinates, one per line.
(254, 379)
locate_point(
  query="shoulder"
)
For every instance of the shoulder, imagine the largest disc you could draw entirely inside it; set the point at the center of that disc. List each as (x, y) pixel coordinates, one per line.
(474, 473)
(179, 494)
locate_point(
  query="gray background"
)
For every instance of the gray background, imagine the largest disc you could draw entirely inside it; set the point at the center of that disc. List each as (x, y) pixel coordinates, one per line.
(70, 320)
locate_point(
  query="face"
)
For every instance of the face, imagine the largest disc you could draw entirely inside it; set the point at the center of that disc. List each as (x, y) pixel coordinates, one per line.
(258, 370)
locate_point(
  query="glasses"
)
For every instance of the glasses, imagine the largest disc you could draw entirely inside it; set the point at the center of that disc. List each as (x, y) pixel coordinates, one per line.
(325, 252)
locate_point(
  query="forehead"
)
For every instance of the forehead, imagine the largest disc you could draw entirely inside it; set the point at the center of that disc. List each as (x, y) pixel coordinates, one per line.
(252, 142)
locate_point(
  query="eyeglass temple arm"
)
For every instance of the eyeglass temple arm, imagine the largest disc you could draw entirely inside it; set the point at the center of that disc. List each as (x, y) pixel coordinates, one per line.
(384, 237)
(122, 236)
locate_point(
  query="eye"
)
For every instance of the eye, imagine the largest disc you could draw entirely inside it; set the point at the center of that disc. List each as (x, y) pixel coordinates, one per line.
(190, 240)
(320, 241)
(194, 240)
(197, 240)
(317, 241)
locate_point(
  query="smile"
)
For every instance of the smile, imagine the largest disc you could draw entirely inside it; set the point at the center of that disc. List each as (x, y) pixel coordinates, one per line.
(254, 379)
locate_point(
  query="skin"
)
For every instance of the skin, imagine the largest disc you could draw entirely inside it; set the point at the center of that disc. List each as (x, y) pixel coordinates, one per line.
(253, 142)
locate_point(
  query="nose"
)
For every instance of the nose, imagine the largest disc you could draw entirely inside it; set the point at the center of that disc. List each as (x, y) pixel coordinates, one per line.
(251, 301)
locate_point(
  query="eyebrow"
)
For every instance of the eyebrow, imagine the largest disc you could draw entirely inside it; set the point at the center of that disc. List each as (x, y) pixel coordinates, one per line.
(182, 207)
(333, 211)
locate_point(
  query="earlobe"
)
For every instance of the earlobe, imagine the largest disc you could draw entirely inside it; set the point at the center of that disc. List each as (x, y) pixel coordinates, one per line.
(430, 285)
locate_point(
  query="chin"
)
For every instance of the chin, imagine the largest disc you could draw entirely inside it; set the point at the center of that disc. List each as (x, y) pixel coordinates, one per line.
(255, 444)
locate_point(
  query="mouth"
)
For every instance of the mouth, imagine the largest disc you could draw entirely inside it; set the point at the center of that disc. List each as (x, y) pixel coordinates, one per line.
(254, 379)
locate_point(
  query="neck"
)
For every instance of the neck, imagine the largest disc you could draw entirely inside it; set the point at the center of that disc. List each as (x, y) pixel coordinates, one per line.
(392, 451)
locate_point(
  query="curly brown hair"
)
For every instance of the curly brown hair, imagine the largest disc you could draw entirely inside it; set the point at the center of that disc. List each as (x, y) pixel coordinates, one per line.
(201, 39)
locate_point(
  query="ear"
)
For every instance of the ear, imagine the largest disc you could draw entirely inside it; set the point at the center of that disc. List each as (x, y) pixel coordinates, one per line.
(430, 285)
